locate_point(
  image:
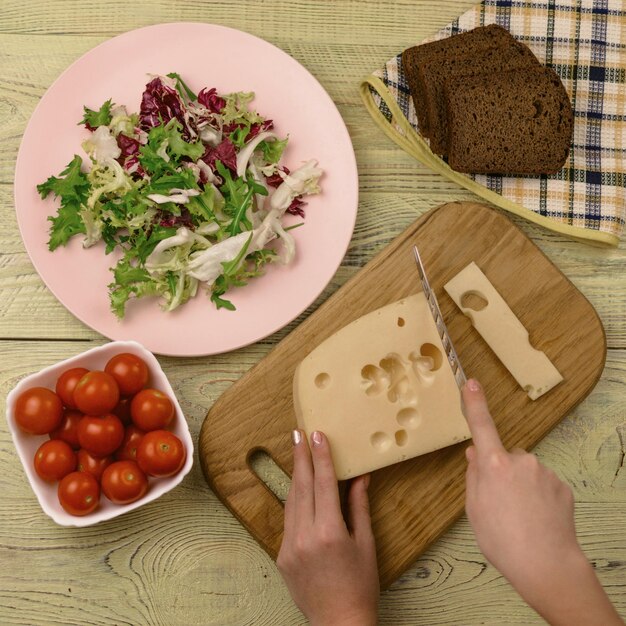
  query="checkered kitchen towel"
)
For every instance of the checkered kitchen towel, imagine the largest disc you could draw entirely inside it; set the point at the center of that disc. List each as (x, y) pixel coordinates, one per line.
(585, 42)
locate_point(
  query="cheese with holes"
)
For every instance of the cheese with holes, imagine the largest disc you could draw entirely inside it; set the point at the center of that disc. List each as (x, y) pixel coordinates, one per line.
(502, 331)
(381, 389)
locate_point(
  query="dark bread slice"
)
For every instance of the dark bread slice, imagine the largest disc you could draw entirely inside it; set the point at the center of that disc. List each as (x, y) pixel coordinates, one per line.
(517, 122)
(461, 45)
(433, 75)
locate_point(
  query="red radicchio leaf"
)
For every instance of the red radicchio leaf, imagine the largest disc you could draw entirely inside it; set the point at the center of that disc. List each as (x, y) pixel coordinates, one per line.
(132, 165)
(169, 221)
(127, 145)
(224, 152)
(159, 104)
(275, 180)
(211, 100)
(259, 127)
(295, 208)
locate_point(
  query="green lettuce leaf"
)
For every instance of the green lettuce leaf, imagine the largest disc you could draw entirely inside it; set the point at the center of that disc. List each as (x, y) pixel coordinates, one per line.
(101, 117)
(72, 187)
(273, 150)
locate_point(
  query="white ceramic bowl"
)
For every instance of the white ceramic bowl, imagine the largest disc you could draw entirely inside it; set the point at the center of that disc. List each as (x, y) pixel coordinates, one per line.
(26, 445)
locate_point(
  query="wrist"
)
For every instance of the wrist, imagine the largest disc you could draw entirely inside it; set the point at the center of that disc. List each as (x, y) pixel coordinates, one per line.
(567, 592)
(360, 618)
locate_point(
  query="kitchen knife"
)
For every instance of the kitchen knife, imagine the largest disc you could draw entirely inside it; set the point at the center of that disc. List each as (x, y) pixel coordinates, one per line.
(433, 305)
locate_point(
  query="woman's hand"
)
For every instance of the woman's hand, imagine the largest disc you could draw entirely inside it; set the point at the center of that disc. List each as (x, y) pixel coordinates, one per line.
(523, 519)
(329, 566)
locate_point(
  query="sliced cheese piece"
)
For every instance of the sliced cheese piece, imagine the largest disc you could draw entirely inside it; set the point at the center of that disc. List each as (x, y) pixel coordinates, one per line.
(381, 389)
(502, 331)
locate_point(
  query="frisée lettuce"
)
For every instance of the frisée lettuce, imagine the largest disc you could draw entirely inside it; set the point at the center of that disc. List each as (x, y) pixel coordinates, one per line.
(189, 192)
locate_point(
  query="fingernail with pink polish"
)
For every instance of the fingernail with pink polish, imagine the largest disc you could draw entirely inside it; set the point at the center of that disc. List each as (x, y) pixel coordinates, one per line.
(316, 438)
(296, 436)
(473, 385)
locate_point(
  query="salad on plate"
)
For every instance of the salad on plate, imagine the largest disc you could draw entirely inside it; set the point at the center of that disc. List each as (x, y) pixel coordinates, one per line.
(190, 192)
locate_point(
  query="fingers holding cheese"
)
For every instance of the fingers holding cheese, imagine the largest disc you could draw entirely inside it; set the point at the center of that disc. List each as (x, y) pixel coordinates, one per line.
(479, 420)
(301, 482)
(359, 521)
(327, 505)
(331, 573)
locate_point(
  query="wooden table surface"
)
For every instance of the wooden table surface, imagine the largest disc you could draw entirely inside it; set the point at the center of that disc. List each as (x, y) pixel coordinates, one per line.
(184, 559)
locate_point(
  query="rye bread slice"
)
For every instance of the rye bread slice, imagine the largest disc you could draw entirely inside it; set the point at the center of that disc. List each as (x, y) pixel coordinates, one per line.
(434, 75)
(517, 122)
(461, 45)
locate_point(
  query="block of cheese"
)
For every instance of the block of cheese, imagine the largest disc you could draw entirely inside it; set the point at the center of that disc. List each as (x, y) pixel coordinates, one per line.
(381, 389)
(504, 333)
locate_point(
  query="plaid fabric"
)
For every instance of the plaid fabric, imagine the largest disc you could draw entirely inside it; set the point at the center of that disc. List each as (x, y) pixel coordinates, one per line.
(585, 42)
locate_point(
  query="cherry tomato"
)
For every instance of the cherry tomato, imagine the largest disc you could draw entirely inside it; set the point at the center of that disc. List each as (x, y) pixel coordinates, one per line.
(68, 428)
(123, 482)
(91, 464)
(96, 393)
(130, 372)
(128, 450)
(38, 410)
(161, 453)
(67, 382)
(100, 435)
(151, 409)
(54, 460)
(79, 493)
(122, 410)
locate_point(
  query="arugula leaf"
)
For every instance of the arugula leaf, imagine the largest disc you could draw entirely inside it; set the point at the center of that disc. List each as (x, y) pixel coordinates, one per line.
(273, 150)
(141, 245)
(172, 282)
(73, 188)
(102, 117)
(238, 194)
(183, 179)
(182, 87)
(294, 226)
(203, 206)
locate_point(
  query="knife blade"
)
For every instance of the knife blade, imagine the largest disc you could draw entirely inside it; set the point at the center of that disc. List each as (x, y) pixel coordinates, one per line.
(433, 305)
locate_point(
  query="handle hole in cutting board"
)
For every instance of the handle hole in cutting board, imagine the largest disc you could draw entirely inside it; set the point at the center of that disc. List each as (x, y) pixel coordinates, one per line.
(268, 472)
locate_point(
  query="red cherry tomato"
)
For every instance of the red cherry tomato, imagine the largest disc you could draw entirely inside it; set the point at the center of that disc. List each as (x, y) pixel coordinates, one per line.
(38, 410)
(54, 460)
(79, 493)
(68, 429)
(91, 464)
(123, 482)
(96, 393)
(128, 450)
(130, 372)
(67, 382)
(100, 435)
(161, 453)
(151, 409)
(122, 410)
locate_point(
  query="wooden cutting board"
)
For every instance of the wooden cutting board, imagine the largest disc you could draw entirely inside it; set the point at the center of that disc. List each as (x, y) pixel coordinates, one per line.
(412, 503)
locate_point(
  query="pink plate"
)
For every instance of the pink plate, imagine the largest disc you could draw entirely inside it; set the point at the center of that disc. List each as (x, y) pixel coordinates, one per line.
(205, 55)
